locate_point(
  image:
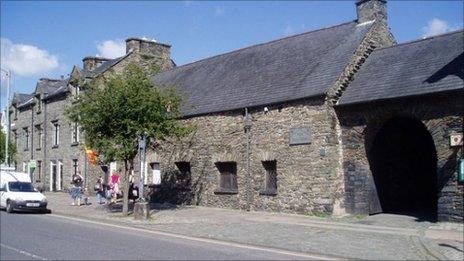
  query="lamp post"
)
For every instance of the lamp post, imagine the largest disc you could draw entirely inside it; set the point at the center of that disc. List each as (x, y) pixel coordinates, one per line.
(7, 114)
(142, 150)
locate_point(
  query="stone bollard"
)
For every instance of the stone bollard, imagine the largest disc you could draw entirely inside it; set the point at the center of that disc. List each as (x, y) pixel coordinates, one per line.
(141, 210)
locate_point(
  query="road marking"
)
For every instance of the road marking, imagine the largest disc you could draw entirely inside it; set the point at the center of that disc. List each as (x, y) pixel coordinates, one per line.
(206, 240)
(22, 252)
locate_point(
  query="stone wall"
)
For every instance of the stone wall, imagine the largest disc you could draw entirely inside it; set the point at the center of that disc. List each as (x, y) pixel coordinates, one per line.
(441, 114)
(306, 174)
(22, 120)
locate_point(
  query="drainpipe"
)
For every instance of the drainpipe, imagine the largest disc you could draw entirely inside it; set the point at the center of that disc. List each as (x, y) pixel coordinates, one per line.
(248, 168)
(45, 148)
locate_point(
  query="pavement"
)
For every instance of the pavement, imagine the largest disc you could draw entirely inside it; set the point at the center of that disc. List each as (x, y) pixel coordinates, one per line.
(378, 237)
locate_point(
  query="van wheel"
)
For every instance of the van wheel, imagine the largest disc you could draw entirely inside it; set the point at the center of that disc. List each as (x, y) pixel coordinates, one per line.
(9, 207)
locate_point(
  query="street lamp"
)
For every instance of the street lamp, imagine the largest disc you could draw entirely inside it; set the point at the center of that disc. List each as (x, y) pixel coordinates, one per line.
(7, 114)
(142, 151)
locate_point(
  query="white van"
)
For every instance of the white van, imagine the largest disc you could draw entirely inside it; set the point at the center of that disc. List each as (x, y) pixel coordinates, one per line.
(18, 193)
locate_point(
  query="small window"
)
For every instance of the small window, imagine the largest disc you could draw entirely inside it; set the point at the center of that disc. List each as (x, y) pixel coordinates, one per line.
(15, 113)
(39, 171)
(183, 177)
(75, 165)
(270, 183)
(26, 138)
(15, 139)
(56, 133)
(227, 178)
(75, 133)
(40, 136)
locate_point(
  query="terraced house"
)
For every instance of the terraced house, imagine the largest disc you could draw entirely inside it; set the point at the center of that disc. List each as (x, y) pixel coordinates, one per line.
(337, 120)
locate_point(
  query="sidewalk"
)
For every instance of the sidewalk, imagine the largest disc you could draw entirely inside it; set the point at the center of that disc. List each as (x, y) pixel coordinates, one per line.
(376, 237)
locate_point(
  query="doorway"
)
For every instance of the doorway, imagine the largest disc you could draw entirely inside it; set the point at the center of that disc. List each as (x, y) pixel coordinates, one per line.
(53, 176)
(403, 162)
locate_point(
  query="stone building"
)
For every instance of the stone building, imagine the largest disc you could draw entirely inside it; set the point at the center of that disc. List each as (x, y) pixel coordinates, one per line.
(42, 132)
(340, 120)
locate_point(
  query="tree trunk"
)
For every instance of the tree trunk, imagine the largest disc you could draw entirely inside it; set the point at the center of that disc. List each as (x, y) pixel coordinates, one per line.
(125, 195)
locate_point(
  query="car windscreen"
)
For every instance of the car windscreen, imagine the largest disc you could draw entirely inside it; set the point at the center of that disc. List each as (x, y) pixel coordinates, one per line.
(21, 186)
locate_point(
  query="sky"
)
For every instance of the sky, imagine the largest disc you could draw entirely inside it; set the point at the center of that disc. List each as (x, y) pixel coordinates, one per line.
(46, 38)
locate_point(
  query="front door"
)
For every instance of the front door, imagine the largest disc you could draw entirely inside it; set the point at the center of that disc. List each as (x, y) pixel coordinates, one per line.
(53, 176)
(60, 175)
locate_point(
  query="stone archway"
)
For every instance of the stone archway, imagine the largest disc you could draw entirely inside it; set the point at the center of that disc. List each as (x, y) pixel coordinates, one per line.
(403, 161)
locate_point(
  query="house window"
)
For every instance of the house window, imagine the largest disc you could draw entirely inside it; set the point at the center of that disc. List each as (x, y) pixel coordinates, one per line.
(75, 166)
(26, 136)
(75, 133)
(40, 136)
(156, 175)
(15, 139)
(15, 113)
(24, 166)
(56, 133)
(77, 90)
(270, 185)
(183, 177)
(227, 178)
(39, 171)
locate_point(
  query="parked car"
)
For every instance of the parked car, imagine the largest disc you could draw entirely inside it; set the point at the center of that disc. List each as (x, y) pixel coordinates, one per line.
(18, 193)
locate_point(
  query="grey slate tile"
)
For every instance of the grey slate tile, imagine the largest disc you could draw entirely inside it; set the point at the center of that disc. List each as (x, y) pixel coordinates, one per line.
(426, 66)
(291, 68)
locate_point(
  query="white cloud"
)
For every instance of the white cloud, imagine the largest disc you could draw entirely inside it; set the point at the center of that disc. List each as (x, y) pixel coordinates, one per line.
(26, 60)
(437, 26)
(111, 48)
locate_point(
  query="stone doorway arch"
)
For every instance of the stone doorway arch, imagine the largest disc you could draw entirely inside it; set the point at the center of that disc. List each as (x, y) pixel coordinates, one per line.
(403, 161)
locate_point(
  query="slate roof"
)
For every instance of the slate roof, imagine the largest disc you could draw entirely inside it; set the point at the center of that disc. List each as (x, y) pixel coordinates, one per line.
(291, 68)
(22, 99)
(59, 87)
(421, 67)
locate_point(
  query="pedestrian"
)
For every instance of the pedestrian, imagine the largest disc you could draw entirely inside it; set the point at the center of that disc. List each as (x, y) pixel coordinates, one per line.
(99, 189)
(76, 189)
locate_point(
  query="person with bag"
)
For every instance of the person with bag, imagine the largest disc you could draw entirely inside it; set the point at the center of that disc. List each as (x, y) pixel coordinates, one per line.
(76, 189)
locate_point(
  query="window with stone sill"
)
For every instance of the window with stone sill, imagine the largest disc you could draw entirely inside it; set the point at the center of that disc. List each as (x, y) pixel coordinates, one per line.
(270, 185)
(40, 136)
(26, 138)
(39, 171)
(74, 134)
(75, 166)
(183, 177)
(15, 138)
(227, 178)
(56, 134)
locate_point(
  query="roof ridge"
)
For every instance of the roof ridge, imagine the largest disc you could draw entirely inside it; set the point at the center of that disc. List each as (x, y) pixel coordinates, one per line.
(259, 44)
(422, 40)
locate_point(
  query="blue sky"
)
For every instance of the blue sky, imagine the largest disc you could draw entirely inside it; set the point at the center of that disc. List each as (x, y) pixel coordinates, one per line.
(46, 38)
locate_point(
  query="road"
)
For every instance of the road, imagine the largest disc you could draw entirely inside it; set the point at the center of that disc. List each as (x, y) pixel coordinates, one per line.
(50, 237)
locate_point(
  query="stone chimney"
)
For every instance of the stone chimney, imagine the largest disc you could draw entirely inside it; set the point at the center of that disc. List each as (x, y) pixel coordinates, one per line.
(92, 62)
(369, 10)
(151, 51)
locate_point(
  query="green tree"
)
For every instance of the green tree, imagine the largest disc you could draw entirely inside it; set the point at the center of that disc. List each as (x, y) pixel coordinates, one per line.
(113, 112)
(11, 149)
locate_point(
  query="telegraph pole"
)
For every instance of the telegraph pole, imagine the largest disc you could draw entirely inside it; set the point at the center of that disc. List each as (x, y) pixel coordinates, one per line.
(7, 115)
